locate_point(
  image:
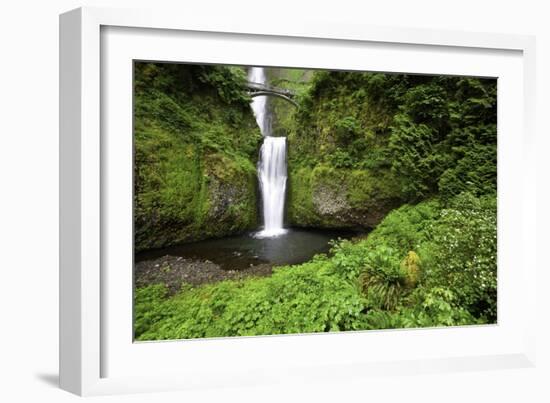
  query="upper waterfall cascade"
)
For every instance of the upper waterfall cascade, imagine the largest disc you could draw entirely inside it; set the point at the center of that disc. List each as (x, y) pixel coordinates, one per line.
(272, 170)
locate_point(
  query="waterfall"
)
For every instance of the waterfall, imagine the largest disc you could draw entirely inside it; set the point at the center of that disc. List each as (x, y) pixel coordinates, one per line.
(271, 165)
(272, 174)
(259, 104)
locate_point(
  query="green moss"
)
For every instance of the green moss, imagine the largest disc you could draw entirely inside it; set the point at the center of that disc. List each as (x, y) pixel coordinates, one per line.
(382, 140)
(337, 148)
(300, 201)
(283, 112)
(336, 198)
(368, 189)
(196, 144)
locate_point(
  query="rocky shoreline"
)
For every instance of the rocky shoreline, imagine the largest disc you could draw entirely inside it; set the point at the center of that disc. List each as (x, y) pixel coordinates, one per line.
(173, 271)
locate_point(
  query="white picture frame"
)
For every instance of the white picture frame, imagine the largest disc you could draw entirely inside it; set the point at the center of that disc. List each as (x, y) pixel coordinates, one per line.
(97, 356)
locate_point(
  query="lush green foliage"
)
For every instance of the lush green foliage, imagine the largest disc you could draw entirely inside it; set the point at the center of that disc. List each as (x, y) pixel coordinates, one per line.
(294, 300)
(456, 247)
(466, 235)
(383, 280)
(325, 196)
(196, 144)
(413, 157)
(387, 277)
(444, 137)
(414, 136)
(430, 307)
(396, 277)
(282, 112)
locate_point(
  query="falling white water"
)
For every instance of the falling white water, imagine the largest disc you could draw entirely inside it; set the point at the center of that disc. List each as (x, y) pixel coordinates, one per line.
(272, 174)
(259, 104)
(271, 165)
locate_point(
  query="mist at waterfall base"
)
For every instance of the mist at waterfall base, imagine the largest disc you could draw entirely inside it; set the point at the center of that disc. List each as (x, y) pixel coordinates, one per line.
(273, 243)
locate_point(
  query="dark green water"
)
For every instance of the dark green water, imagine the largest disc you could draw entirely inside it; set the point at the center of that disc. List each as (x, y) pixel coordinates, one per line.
(239, 252)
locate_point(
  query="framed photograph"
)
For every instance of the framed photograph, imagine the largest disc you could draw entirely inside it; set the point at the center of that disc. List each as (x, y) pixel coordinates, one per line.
(243, 204)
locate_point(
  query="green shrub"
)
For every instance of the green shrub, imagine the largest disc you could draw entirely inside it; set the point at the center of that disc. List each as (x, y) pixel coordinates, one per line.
(411, 265)
(148, 307)
(431, 264)
(416, 157)
(346, 129)
(444, 137)
(349, 258)
(341, 159)
(456, 243)
(428, 103)
(475, 172)
(428, 308)
(384, 279)
(298, 299)
(405, 228)
(461, 253)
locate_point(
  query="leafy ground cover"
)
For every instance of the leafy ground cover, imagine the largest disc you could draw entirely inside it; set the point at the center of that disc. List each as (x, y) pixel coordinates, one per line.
(429, 264)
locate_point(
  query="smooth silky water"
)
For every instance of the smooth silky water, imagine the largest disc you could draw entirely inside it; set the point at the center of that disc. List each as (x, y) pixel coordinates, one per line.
(272, 172)
(273, 244)
(272, 177)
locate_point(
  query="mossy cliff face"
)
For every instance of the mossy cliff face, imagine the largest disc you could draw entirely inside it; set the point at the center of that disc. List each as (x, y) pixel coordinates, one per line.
(361, 144)
(196, 144)
(338, 172)
(282, 113)
(340, 198)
